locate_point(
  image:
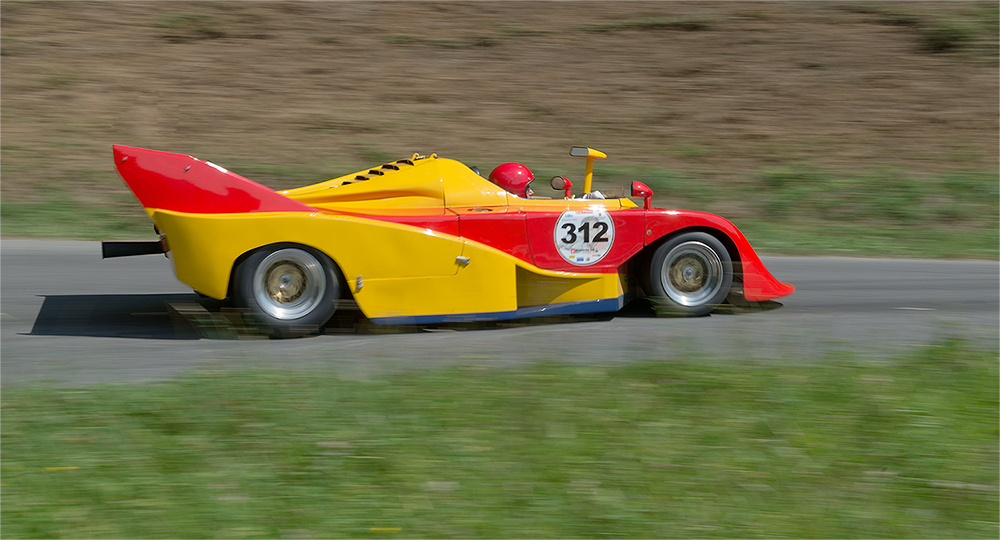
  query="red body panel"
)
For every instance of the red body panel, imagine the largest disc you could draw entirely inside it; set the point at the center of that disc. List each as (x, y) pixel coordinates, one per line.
(498, 229)
(505, 231)
(627, 242)
(182, 183)
(758, 283)
(529, 237)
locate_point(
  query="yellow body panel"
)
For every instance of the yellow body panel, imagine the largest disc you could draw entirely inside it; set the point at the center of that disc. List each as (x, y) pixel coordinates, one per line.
(535, 289)
(559, 205)
(205, 246)
(429, 182)
(405, 271)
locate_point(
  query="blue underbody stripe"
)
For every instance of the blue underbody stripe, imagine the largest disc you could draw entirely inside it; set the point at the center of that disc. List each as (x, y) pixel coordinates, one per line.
(567, 308)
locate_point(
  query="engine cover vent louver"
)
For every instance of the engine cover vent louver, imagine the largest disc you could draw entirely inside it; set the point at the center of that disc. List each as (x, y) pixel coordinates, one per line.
(381, 170)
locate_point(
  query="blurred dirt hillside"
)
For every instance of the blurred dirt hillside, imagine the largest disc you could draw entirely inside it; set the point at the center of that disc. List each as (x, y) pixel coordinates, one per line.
(753, 110)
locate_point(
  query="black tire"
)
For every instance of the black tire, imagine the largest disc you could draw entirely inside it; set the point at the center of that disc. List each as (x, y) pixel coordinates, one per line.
(291, 290)
(690, 274)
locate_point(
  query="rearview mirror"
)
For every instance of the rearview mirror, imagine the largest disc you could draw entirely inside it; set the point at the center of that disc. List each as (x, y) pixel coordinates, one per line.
(591, 155)
(561, 183)
(642, 190)
(583, 151)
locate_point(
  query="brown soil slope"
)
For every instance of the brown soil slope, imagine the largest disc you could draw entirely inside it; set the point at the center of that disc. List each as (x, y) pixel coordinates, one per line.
(288, 90)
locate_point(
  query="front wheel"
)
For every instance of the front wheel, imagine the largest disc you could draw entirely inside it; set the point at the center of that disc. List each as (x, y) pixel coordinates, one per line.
(691, 274)
(291, 290)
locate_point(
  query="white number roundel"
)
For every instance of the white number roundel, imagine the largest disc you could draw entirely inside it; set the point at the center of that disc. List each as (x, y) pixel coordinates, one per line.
(584, 237)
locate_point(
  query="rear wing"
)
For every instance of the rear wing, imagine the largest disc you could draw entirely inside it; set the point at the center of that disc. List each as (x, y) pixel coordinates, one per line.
(182, 183)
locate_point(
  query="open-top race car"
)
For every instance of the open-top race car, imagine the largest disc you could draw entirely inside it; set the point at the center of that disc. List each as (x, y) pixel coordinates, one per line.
(428, 240)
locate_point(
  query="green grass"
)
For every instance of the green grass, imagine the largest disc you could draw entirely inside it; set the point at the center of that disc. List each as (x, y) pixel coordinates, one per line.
(807, 211)
(835, 447)
(60, 216)
(796, 210)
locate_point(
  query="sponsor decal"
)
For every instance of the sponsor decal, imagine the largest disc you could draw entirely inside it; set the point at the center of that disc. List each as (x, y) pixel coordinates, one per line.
(584, 237)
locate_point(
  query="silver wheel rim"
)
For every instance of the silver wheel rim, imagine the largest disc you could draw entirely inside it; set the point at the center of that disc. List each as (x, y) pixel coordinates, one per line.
(289, 284)
(691, 274)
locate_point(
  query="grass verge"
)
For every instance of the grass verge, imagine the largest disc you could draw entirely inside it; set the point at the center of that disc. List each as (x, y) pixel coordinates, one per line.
(787, 210)
(844, 447)
(810, 211)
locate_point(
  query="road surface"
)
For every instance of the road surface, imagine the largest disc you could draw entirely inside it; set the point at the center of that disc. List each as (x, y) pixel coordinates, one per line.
(70, 318)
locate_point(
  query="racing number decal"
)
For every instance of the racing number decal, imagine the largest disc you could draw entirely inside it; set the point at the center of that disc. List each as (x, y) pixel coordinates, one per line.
(584, 237)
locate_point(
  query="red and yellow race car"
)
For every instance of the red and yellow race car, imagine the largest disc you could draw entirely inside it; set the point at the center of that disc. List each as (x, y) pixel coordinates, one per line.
(426, 240)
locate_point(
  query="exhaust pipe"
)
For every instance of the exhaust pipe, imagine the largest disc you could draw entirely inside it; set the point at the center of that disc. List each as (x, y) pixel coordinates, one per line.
(128, 249)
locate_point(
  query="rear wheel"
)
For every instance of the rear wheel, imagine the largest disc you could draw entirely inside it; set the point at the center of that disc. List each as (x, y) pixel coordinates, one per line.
(291, 290)
(691, 274)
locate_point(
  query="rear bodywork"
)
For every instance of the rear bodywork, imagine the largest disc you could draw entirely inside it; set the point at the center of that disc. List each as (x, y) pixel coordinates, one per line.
(418, 240)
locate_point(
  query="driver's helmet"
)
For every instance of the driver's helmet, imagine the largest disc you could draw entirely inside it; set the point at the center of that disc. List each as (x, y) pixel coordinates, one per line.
(513, 177)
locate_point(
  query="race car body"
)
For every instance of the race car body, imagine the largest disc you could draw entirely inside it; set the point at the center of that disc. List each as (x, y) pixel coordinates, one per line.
(427, 240)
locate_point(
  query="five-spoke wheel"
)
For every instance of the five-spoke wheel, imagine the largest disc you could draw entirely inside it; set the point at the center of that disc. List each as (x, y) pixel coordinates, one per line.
(691, 274)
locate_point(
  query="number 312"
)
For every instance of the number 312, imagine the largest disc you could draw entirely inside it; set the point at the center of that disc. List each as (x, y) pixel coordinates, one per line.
(600, 227)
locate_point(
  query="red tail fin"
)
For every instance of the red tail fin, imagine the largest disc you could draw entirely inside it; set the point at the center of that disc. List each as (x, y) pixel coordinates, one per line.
(182, 183)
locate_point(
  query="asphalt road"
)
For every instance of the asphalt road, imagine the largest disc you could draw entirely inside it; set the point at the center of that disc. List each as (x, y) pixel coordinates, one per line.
(70, 318)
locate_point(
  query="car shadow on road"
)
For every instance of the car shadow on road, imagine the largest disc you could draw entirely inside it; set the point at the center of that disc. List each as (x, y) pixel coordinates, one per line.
(165, 316)
(138, 316)
(191, 317)
(647, 308)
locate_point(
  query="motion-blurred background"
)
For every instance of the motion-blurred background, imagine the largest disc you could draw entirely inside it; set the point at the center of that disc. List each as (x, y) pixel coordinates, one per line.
(818, 127)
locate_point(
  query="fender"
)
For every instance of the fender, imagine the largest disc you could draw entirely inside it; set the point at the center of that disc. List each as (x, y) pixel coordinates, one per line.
(758, 283)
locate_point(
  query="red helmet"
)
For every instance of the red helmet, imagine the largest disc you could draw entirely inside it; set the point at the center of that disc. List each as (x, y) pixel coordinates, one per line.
(513, 177)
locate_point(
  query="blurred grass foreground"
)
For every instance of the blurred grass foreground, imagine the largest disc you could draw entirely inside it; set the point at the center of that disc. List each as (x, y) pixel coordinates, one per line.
(836, 447)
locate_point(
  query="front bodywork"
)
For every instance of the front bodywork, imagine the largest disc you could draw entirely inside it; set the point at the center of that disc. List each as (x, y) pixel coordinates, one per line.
(420, 240)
